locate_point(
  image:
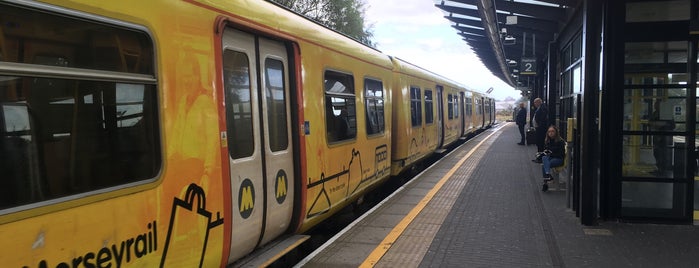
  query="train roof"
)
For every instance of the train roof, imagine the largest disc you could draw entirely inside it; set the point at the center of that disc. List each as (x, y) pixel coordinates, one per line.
(274, 17)
(412, 69)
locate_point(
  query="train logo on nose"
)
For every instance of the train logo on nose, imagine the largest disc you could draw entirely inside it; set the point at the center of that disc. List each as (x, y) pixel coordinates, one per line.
(246, 198)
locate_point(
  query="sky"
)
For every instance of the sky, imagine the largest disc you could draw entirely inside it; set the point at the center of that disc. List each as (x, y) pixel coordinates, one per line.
(416, 31)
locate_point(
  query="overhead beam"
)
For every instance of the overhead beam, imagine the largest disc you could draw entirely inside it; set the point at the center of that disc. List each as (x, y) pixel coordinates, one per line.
(569, 3)
(459, 10)
(470, 35)
(538, 11)
(464, 21)
(480, 32)
(529, 22)
(468, 2)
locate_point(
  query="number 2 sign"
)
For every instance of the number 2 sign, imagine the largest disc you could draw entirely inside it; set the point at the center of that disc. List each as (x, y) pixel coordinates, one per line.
(527, 66)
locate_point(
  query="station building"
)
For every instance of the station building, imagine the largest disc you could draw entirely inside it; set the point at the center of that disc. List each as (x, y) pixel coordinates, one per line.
(615, 75)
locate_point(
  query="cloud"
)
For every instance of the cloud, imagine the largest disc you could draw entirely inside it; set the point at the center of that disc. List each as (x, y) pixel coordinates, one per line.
(418, 33)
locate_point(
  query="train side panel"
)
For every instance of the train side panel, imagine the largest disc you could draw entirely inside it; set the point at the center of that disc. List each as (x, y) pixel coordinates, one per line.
(414, 136)
(123, 135)
(339, 122)
(347, 103)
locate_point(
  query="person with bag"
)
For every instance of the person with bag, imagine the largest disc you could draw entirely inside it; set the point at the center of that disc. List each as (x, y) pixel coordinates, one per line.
(521, 120)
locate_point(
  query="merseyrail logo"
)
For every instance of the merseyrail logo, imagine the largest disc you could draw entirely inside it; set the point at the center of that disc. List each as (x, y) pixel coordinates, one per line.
(281, 185)
(116, 255)
(246, 198)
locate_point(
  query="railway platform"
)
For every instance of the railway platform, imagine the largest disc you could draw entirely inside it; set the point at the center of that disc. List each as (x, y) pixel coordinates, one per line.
(482, 206)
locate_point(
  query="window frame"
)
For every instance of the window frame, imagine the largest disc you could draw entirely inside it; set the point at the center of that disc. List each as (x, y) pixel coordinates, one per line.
(150, 86)
(333, 134)
(415, 106)
(380, 113)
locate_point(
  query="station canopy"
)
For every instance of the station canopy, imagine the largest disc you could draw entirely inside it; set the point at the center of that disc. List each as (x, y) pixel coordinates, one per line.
(509, 36)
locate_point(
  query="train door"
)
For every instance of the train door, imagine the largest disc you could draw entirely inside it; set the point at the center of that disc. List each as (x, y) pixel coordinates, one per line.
(468, 111)
(256, 84)
(440, 115)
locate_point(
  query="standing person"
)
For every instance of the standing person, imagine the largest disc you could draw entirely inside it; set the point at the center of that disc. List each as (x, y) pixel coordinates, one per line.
(553, 155)
(541, 123)
(521, 120)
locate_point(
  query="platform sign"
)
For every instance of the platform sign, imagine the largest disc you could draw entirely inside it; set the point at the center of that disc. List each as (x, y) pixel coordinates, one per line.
(527, 66)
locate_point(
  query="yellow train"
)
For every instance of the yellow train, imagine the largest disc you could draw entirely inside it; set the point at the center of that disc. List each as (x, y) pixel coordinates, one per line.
(191, 133)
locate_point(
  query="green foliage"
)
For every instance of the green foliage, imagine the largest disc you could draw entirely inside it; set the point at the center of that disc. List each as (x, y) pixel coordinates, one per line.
(345, 16)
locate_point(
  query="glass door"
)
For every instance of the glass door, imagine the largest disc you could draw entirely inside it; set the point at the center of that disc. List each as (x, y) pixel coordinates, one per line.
(656, 133)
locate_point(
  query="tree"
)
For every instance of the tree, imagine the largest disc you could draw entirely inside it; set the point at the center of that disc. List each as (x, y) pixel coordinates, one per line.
(345, 16)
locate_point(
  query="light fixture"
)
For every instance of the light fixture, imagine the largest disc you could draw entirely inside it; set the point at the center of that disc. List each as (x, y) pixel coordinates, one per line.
(509, 40)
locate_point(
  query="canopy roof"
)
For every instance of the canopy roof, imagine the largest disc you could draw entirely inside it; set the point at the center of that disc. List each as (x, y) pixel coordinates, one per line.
(503, 32)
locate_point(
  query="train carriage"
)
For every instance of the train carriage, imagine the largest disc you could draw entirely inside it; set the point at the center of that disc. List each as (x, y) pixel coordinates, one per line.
(421, 100)
(190, 133)
(451, 113)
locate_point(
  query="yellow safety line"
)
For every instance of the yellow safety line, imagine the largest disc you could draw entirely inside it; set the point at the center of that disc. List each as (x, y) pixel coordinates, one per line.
(392, 236)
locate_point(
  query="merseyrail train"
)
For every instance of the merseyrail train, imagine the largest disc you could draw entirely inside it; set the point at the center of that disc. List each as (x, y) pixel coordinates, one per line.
(193, 133)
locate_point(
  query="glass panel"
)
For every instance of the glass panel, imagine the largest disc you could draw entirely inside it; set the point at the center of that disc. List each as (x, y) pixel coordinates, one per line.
(276, 105)
(65, 137)
(61, 136)
(576, 80)
(565, 57)
(429, 110)
(657, 11)
(456, 106)
(374, 106)
(655, 52)
(58, 40)
(236, 79)
(577, 49)
(469, 106)
(653, 199)
(655, 109)
(415, 107)
(341, 116)
(450, 107)
(661, 156)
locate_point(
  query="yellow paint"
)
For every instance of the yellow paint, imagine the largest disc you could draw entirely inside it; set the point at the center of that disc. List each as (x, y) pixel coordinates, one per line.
(281, 186)
(246, 201)
(395, 233)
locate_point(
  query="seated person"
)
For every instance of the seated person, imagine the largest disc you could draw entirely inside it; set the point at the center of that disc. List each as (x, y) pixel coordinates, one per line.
(554, 152)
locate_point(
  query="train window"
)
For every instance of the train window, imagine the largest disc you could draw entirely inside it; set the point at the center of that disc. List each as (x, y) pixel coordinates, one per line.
(241, 142)
(469, 106)
(450, 106)
(375, 122)
(429, 112)
(479, 106)
(456, 106)
(340, 110)
(42, 38)
(415, 107)
(276, 105)
(67, 127)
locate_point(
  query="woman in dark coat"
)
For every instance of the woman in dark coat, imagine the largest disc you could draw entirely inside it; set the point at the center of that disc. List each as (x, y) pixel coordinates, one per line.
(554, 152)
